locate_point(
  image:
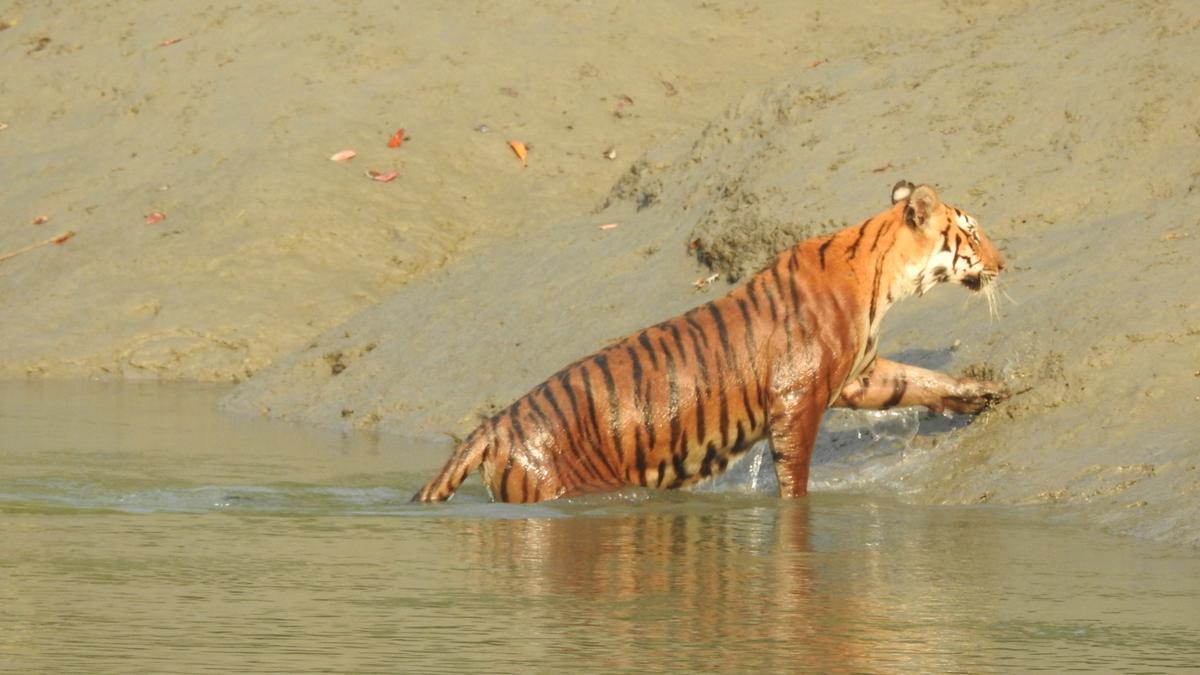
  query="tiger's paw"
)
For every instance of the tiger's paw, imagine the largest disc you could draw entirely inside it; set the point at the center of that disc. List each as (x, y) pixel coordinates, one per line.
(974, 396)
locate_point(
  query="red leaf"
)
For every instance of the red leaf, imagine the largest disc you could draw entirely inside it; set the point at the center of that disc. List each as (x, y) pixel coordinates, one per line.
(383, 176)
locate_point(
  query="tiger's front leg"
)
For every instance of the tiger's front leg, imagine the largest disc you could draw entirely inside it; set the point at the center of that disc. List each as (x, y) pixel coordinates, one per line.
(891, 384)
(793, 424)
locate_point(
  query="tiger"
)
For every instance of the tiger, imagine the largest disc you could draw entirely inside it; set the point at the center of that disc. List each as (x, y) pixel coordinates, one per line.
(674, 404)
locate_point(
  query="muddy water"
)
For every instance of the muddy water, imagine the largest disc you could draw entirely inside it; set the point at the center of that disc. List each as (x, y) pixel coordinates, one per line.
(139, 531)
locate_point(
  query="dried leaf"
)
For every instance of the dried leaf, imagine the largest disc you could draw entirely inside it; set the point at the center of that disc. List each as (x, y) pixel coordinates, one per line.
(38, 220)
(343, 155)
(396, 139)
(520, 151)
(170, 41)
(607, 226)
(55, 240)
(155, 217)
(383, 176)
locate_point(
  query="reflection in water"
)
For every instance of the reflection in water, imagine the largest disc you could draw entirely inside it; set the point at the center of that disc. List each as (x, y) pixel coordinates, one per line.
(679, 586)
(147, 534)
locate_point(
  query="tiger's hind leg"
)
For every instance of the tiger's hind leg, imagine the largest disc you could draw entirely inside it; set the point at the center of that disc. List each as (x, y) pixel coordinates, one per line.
(523, 476)
(891, 384)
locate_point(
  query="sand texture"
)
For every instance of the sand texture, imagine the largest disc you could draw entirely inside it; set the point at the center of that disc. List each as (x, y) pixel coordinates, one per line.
(1070, 130)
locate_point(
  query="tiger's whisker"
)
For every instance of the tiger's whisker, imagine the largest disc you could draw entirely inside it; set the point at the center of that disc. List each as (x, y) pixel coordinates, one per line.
(1010, 298)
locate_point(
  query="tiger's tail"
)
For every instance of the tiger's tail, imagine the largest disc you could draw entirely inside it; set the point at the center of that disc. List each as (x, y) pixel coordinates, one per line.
(467, 456)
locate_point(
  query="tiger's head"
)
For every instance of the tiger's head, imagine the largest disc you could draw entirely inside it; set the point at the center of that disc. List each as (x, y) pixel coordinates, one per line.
(958, 249)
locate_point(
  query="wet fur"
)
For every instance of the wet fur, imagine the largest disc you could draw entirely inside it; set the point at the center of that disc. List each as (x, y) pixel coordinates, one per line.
(675, 403)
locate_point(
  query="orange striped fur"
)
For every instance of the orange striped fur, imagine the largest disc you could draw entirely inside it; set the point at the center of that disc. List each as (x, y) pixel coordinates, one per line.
(675, 403)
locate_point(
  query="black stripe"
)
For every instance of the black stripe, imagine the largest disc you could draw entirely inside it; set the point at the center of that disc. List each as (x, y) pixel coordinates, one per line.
(852, 249)
(821, 250)
(662, 472)
(639, 455)
(567, 428)
(672, 395)
(750, 353)
(526, 488)
(795, 293)
(548, 426)
(648, 417)
(875, 287)
(752, 293)
(564, 382)
(508, 467)
(749, 323)
(702, 388)
(678, 339)
(722, 396)
(598, 448)
(700, 360)
(696, 327)
(677, 461)
(878, 234)
(722, 334)
(706, 465)
(778, 288)
(771, 303)
(642, 402)
(637, 370)
(739, 444)
(494, 442)
(644, 341)
(614, 406)
(723, 409)
(898, 389)
(515, 423)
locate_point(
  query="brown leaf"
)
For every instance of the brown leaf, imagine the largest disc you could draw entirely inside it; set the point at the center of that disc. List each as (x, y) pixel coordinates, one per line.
(520, 151)
(383, 176)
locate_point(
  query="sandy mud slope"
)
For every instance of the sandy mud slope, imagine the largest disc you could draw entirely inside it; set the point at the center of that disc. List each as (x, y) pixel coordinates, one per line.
(1071, 139)
(228, 129)
(414, 306)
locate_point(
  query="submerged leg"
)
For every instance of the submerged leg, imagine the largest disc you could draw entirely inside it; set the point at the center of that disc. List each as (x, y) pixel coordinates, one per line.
(891, 384)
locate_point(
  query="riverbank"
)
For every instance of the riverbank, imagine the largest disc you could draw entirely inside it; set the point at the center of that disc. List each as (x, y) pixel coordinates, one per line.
(412, 306)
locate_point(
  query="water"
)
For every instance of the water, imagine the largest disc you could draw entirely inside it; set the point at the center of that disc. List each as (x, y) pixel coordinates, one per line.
(140, 531)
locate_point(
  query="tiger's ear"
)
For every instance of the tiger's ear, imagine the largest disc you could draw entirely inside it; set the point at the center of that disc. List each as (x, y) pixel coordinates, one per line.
(921, 205)
(901, 191)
